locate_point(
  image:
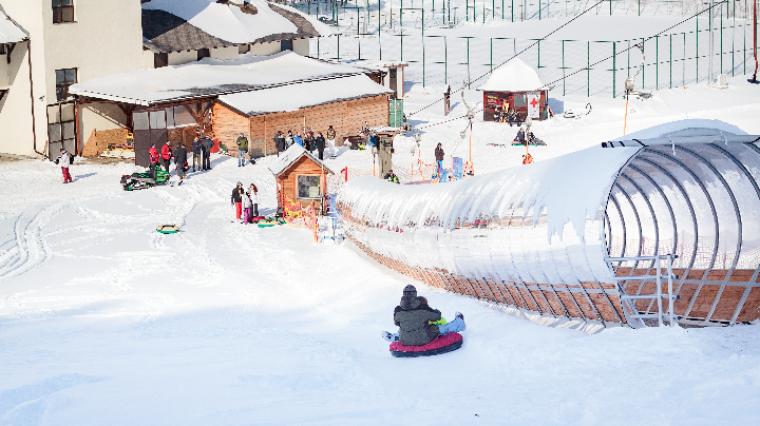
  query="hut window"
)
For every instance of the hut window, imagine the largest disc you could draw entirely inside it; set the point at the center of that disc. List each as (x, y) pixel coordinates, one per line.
(521, 100)
(286, 45)
(309, 187)
(63, 11)
(203, 53)
(160, 60)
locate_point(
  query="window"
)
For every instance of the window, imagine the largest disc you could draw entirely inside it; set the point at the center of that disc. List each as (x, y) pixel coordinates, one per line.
(3, 50)
(63, 11)
(3, 92)
(160, 60)
(286, 45)
(244, 48)
(63, 79)
(309, 187)
(61, 127)
(203, 53)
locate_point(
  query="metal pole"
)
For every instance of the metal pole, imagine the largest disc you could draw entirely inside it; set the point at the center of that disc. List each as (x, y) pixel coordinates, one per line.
(423, 59)
(683, 63)
(696, 55)
(711, 49)
(538, 66)
(468, 62)
(490, 48)
(614, 65)
(445, 60)
(338, 54)
(564, 91)
(721, 39)
(643, 63)
(670, 289)
(588, 69)
(670, 66)
(657, 63)
(659, 292)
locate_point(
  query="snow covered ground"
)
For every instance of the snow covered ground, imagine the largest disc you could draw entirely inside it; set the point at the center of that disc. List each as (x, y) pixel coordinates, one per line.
(104, 321)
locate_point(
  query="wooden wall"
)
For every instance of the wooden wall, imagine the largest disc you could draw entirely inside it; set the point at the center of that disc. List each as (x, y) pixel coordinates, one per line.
(287, 183)
(347, 117)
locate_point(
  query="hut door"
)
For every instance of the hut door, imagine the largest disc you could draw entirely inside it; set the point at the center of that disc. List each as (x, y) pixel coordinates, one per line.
(149, 128)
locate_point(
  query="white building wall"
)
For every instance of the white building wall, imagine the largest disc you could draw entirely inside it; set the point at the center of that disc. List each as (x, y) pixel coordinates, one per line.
(16, 106)
(176, 58)
(263, 49)
(301, 46)
(105, 39)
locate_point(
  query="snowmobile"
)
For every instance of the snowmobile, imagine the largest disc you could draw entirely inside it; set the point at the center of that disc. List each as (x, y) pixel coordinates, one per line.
(144, 180)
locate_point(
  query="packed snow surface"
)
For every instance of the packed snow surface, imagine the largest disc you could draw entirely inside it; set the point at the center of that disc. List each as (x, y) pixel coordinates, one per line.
(227, 22)
(210, 77)
(514, 76)
(295, 96)
(9, 31)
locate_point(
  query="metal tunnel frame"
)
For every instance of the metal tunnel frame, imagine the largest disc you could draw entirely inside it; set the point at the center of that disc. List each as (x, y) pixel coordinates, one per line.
(706, 195)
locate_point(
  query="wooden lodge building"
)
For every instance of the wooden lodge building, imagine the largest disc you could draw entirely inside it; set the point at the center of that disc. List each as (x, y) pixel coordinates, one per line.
(255, 95)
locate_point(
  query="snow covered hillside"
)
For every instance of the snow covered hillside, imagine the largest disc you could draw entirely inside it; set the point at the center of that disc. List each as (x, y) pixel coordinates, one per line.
(104, 321)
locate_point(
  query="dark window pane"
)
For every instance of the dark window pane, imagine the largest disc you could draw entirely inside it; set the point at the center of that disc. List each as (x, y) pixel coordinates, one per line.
(62, 92)
(203, 53)
(286, 45)
(67, 14)
(160, 60)
(71, 75)
(60, 76)
(69, 130)
(308, 187)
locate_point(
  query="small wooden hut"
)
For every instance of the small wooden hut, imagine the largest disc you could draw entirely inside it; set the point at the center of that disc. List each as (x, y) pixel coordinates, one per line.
(301, 179)
(515, 86)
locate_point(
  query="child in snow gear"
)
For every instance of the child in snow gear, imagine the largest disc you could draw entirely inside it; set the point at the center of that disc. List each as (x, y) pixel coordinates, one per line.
(166, 155)
(520, 137)
(413, 317)
(237, 200)
(65, 160)
(439, 154)
(242, 146)
(154, 159)
(247, 208)
(391, 177)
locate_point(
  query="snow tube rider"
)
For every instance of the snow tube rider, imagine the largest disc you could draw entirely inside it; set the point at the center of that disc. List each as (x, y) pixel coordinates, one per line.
(417, 328)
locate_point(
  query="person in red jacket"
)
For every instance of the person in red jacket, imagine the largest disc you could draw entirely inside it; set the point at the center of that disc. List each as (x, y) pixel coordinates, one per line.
(166, 155)
(154, 160)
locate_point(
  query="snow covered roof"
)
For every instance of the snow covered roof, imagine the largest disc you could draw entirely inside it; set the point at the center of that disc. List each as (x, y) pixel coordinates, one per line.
(514, 76)
(292, 97)
(231, 22)
(10, 31)
(686, 131)
(209, 78)
(289, 157)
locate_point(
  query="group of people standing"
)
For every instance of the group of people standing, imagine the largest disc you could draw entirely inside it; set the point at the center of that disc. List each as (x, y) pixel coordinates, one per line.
(314, 142)
(505, 114)
(246, 203)
(162, 157)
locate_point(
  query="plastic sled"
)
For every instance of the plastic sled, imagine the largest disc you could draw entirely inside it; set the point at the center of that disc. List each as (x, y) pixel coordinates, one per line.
(167, 229)
(441, 345)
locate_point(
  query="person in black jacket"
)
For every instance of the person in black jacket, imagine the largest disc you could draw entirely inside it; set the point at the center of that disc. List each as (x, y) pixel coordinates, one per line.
(197, 152)
(320, 145)
(206, 144)
(413, 317)
(236, 199)
(180, 160)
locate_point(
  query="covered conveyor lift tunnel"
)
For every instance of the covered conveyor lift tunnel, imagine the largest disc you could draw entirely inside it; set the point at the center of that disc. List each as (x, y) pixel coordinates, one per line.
(581, 236)
(694, 195)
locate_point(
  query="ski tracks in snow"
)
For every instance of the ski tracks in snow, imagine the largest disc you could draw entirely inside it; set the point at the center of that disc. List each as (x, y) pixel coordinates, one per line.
(28, 247)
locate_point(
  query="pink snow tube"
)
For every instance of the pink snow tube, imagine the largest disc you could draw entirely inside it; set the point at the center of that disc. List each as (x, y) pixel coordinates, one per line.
(441, 344)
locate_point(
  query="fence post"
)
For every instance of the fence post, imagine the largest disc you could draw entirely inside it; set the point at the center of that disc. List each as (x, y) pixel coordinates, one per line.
(490, 48)
(670, 85)
(445, 60)
(628, 73)
(502, 10)
(401, 15)
(614, 66)
(423, 61)
(643, 63)
(538, 67)
(588, 69)
(513, 10)
(564, 91)
(338, 52)
(318, 46)
(721, 39)
(359, 47)
(468, 62)
(696, 54)
(683, 62)
(539, 10)
(611, 13)
(657, 62)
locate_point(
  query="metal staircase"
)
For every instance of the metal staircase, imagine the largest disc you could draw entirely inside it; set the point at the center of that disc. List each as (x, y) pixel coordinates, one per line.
(634, 316)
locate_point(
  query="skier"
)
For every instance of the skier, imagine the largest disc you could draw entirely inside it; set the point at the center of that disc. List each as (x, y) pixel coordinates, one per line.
(180, 161)
(197, 152)
(237, 200)
(65, 160)
(413, 317)
(319, 141)
(247, 207)
(391, 177)
(166, 155)
(242, 146)
(154, 159)
(439, 154)
(254, 194)
(206, 145)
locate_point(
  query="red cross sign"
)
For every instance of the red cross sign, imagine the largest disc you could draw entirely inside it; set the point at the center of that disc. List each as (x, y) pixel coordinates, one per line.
(533, 102)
